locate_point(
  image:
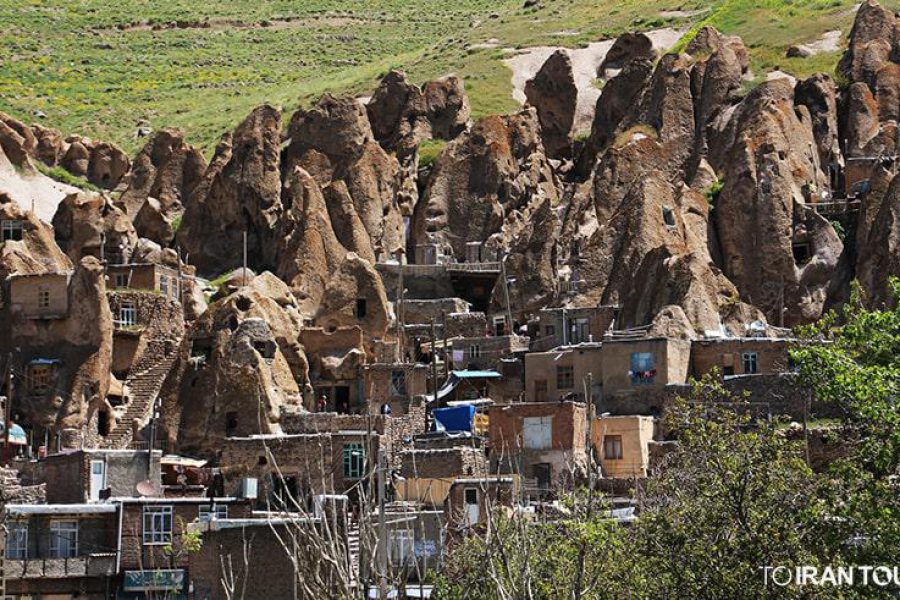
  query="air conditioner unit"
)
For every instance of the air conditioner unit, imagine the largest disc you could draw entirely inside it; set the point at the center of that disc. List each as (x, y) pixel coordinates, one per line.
(248, 488)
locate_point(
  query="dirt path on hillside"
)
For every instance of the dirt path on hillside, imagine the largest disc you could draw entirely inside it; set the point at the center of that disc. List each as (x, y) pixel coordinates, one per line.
(25, 188)
(526, 63)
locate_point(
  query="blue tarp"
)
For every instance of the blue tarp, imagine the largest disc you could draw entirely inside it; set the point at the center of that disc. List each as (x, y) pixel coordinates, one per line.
(455, 418)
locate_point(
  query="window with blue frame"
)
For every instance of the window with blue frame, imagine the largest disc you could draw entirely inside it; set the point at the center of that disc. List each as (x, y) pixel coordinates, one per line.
(643, 368)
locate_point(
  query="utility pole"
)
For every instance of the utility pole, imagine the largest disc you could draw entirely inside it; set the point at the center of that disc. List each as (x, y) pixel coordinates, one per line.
(382, 532)
(400, 299)
(444, 345)
(7, 409)
(509, 321)
(434, 377)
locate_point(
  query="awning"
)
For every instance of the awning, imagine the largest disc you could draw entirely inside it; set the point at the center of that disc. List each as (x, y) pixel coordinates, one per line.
(17, 436)
(44, 361)
(23, 510)
(476, 374)
(172, 459)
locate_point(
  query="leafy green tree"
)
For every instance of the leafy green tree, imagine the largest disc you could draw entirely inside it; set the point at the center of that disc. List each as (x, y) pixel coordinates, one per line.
(735, 495)
(852, 358)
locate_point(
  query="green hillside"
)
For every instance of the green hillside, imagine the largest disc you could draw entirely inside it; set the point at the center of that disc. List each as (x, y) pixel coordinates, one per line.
(100, 67)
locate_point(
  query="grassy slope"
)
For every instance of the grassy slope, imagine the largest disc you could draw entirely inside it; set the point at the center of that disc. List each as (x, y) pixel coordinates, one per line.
(69, 60)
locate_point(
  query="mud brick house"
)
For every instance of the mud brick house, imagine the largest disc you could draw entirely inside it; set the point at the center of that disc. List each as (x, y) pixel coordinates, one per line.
(545, 442)
(740, 356)
(571, 326)
(152, 557)
(147, 277)
(471, 499)
(52, 550)
(637, 364)
(226, 543)
(622, 444)
(93, 475)
(481, 353)
(336, 361)
(561, 373)
(394, 384)
(40, 295)
(147, 335)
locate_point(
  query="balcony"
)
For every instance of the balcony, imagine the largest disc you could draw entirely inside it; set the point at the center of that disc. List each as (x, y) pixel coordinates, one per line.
(91, 565)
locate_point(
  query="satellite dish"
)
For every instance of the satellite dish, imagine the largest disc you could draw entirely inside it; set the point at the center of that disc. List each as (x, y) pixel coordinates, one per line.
(145, 488)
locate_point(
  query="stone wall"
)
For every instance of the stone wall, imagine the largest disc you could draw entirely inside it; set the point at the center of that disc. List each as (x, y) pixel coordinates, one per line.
(443, 463)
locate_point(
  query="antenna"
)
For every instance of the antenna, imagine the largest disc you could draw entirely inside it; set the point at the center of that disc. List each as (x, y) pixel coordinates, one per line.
(244, 273)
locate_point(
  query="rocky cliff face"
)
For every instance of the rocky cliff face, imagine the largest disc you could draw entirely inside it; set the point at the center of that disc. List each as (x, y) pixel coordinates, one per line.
(246, 365)
(240, 193)
(553, 93)
(334, 143)
(496, 168)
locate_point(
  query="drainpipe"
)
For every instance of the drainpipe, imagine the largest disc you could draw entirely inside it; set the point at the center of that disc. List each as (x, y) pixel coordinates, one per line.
(119, 539)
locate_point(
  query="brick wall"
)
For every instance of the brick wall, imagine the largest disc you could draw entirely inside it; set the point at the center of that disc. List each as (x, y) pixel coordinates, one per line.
(772, 355)
(136, 555)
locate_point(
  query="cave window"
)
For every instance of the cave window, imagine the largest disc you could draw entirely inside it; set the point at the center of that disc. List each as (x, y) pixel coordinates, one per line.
(103, 423)
(668, 217)
(244, 304)
(262, 461)
(360, 308)
(232, 323)
(801, 253)
(266, 349)
(231, 423)
(11, 230)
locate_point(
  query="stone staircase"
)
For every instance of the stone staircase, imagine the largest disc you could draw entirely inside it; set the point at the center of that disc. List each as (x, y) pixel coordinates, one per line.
(144, 382)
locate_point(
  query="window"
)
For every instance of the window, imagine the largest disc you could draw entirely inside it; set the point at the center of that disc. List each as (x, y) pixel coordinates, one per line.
(63, 539)
(231, 423)
(10, 230)
(549, 331)
(751, 363)
(398, 383)
(612, 447)
(354, 455)
(360, 308)
(127, 315)
(474, 351)
(402, 547)
(41, 378)
(565, 378)
(208, 512)
(17, 541)
(157, 525)
(120, 280)
(668, 217)
(164, 286)
(540, 390)
(43, 299)
(643, 369)
(801, 253)
(581, 331)
(537, 432)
